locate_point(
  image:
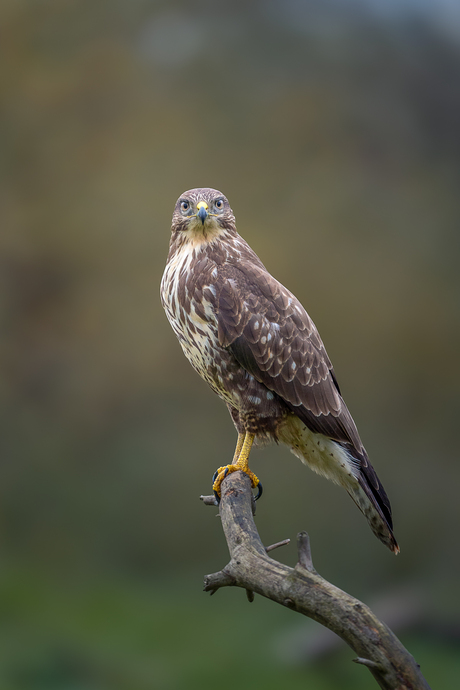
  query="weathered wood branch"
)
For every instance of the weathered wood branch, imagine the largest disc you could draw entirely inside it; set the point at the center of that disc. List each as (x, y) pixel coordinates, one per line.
(303, 590)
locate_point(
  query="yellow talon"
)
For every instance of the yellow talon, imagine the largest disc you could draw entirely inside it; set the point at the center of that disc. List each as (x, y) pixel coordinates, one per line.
(222, 472)
(240, 462)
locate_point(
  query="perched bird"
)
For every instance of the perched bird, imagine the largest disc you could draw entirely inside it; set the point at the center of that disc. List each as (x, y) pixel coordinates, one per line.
(255, 345)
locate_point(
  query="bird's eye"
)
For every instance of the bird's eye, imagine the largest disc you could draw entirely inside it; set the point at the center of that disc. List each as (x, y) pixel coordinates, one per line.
(219, 204)
(184, 206)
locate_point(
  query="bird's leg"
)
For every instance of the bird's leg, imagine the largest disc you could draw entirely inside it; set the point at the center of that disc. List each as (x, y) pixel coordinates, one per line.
(239, 445)
(240, 462)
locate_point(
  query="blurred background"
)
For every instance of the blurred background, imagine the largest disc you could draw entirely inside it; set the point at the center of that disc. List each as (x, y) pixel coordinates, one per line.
(333, 128)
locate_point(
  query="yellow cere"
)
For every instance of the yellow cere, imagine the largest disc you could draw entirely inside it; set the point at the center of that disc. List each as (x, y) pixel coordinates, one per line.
(202, 204)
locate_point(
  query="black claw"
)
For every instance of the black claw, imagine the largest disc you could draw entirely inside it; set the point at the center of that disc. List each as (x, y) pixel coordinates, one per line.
(260, 491)
(225, 473)
(216, 495)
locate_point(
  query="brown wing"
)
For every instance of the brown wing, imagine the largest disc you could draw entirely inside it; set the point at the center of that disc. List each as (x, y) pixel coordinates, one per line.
(272, 337)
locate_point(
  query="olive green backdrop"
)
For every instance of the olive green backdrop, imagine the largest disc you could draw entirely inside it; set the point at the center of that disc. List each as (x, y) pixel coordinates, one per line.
(333, 130)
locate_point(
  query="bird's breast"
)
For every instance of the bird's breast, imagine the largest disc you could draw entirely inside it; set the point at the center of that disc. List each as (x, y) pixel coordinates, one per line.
(189, 292)
(188, 299)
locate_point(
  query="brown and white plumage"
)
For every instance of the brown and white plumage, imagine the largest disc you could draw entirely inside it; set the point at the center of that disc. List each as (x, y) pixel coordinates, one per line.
(256, 346)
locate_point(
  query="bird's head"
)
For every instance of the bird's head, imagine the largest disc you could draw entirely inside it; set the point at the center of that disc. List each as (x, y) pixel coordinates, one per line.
(201, 215)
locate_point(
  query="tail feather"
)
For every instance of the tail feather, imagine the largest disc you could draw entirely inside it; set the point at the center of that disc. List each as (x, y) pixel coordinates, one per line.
(372, 500)
(344, 464)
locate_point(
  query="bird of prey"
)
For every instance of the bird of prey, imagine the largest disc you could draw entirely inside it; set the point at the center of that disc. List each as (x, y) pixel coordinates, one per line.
(253, 342)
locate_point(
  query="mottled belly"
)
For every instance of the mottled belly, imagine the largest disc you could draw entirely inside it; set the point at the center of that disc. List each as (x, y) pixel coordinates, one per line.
(253, 407)
(216, 366)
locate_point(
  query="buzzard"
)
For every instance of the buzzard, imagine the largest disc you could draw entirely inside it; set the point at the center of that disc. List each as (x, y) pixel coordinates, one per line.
(253, 342)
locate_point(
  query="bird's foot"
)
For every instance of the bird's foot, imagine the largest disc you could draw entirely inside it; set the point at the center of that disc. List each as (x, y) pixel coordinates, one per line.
(222, 472)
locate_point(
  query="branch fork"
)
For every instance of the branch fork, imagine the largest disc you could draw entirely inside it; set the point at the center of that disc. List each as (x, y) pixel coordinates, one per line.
(303, 590)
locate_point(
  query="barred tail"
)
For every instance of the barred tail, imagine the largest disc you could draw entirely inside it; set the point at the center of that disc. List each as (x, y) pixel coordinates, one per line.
(371, 498)
(343, 464)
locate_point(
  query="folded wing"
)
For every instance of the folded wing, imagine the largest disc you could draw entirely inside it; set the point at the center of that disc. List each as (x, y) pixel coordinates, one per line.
(273, 338)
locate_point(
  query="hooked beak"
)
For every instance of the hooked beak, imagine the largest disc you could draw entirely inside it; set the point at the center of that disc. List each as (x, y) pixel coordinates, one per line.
(202, 214)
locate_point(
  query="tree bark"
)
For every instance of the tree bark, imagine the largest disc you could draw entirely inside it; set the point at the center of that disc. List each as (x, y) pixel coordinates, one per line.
(303, 590)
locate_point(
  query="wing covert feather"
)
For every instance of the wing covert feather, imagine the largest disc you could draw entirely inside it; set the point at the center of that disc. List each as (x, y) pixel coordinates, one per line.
(274, 339)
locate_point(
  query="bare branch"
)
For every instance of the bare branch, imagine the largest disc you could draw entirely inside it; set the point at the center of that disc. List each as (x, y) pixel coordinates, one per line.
(250, 595)
(303, 590)
(272, 547)
(367, 662)
(209, 500)
(221, 579)
(304, 550)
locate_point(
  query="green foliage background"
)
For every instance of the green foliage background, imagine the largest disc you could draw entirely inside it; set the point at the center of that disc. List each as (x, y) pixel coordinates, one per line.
(333, 129)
